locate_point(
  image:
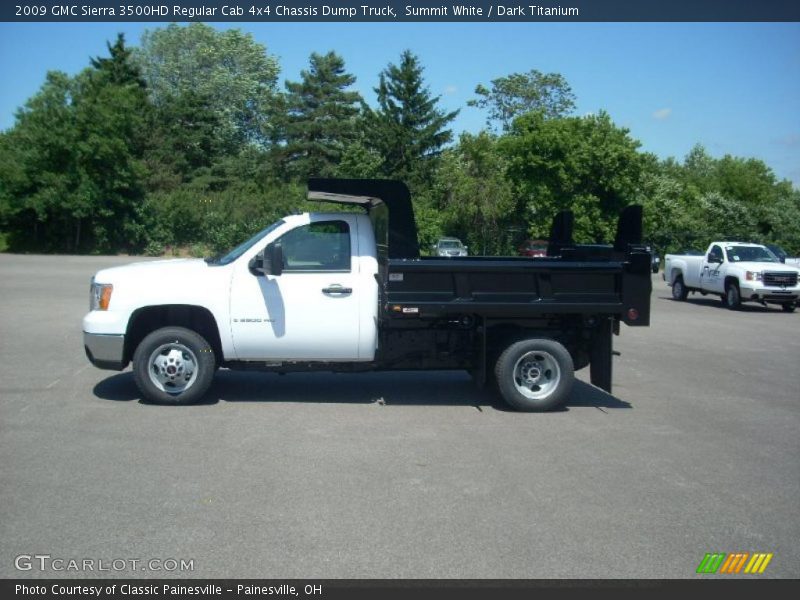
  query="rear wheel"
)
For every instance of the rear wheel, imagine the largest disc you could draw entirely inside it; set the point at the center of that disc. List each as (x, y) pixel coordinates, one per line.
(173, 365)
(679, 291)
(534, 375)
(788, 307)
(733, 299)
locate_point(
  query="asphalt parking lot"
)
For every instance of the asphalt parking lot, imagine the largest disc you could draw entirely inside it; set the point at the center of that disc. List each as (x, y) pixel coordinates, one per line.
(405, 474)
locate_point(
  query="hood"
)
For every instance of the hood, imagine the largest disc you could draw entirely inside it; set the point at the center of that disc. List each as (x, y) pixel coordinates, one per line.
(152, 269)
(766, 266)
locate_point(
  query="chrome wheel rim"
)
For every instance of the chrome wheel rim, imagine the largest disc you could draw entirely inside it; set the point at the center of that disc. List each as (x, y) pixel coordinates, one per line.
(173, 368)
(536, 375)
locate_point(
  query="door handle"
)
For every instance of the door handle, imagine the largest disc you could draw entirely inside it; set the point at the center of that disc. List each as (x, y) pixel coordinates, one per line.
(335, 288)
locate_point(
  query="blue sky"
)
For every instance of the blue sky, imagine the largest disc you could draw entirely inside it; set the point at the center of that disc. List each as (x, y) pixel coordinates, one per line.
(733, 87)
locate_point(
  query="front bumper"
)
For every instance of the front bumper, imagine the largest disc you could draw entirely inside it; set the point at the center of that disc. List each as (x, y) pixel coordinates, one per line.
(770, 294)
(105, 351)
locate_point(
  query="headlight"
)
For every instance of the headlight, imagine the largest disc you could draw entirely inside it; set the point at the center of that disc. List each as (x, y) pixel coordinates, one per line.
(100, 295)
(752, 276)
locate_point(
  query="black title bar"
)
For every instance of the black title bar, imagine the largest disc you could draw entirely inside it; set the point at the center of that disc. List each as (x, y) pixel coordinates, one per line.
(354, 589)
(477, 11)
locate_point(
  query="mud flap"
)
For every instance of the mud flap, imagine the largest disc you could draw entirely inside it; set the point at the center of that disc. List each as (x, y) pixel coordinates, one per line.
(600, 355)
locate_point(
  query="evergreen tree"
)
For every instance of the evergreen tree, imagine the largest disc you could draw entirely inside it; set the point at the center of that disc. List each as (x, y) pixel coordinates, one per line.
(186, 135)
(322, 117)
(407, 129)
(119, 67)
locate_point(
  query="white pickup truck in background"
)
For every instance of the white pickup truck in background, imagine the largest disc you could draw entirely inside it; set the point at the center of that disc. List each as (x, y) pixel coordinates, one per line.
(737, 272)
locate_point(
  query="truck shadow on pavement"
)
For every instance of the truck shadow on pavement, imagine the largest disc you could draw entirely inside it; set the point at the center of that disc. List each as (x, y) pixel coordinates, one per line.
(714, 302)
(434, 388)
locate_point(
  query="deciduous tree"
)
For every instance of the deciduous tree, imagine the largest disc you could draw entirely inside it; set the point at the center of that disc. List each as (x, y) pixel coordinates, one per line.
(519, 93)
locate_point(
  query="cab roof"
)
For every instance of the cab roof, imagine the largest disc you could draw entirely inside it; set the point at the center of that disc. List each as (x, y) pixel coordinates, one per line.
(375, 195)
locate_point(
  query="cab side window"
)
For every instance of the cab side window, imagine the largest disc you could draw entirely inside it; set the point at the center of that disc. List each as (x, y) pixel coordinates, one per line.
(320, 246)
(716, 253)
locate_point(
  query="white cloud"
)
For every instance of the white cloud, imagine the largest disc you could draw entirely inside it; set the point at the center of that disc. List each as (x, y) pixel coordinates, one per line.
(662, 114)
(450, 90)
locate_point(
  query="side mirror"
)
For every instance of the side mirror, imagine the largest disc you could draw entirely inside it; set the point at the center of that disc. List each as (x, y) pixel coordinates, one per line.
(273, 259)
(268, 262)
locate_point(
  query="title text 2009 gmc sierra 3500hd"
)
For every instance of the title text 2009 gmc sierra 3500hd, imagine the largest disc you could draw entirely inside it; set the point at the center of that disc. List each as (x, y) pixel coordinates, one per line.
(348, 291)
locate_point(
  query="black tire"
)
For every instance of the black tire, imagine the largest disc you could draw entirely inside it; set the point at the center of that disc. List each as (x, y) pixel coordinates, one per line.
(526, 364)
(788, 307)
(733, 298)
(679, 291)
(173, 365)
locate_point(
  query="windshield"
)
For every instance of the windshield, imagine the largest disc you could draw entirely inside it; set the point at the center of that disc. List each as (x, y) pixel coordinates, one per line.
(449, 244)
(244, 246)
(750, 254)
(777, 251)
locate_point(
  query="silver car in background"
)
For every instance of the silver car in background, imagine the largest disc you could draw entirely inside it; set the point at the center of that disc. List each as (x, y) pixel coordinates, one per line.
(449, 246)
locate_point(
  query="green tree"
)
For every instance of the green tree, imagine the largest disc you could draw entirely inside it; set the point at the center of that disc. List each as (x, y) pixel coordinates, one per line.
(79, 143)
(407, 129)
(519, 93)
(783, 219)
(111, 114)
(228, 69)
(187, 135)
(38, 167)
(586, 164)
(474, 195)
(119, 68)
(359, 161)
(670, 218)
(322, 117)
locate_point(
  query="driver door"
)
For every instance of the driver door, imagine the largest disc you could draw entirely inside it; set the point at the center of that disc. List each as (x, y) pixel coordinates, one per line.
(311, 311)
(711, 278)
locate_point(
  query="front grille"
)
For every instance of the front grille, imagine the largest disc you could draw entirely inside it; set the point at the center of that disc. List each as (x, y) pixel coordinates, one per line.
(780, 279)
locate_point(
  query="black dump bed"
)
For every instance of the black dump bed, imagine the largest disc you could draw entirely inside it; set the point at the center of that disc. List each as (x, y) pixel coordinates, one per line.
(587, 279)
(521, 287)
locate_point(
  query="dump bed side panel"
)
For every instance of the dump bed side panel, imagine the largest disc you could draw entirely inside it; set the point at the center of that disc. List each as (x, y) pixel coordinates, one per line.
(512, 287)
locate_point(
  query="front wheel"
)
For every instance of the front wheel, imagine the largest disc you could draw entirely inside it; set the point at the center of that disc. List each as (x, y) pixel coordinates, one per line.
(173, 365)
(788, 307)
(733, 298)
(535, 375)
